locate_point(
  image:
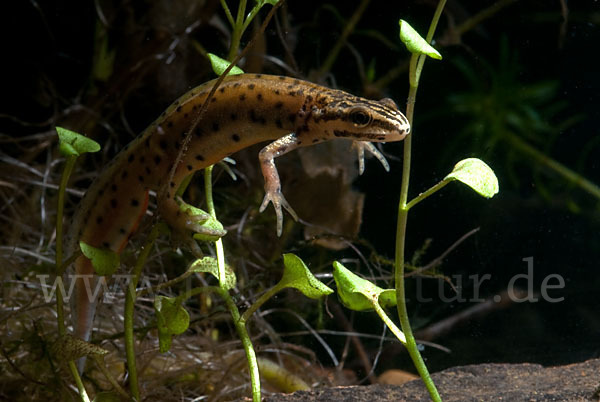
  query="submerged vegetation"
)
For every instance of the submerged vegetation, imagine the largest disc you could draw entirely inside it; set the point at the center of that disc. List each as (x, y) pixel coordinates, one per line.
(258, 306)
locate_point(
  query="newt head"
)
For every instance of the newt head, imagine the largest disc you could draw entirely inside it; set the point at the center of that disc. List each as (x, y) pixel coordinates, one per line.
(361, 119)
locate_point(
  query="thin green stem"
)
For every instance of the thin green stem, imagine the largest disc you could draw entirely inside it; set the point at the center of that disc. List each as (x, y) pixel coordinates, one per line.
(250, 17)
(164, 285)
(237, 31)
(130, 298)
(416, 67)
(227, 12)
(240, 326)
(211, 210)
(426, 194)
(390, 324)
(102, 366)
(61, 267)
(82, 392)
(196, 291)
(560, 169)
(261, 300)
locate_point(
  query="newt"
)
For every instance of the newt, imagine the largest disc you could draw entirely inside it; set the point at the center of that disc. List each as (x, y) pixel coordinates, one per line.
(246, 109)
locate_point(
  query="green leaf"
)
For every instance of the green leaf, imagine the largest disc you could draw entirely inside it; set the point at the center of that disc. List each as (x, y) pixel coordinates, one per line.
(209, 265)
(219, 65)
(105, 262)
(212, 229)
(476, 174)
(68, 347)
(415, 42)
(73, 144)
(359, 294)
(296, 275)
(172, 319)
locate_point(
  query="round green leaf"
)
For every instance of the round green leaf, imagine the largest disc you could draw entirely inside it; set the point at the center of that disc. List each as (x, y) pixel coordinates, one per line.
(74, 144)
(212, 229)
(172, 319)
(415, 42)
(297, 275)
(359, 294)
(210, 265)
(476, 174)
(219, 65)
(105, 262)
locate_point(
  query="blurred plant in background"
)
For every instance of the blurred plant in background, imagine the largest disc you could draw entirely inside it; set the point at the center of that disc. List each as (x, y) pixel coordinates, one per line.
(525, 120)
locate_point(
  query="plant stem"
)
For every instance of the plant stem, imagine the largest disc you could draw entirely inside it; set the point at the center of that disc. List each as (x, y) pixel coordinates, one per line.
(102, 366)
(237, 31)
(390, 324)
(559, 168)
(426, 194)
(261, 300)
(416, 67)
(130, 298)
(210, 204)
(82, 392)
(60, 269)
(240, 326)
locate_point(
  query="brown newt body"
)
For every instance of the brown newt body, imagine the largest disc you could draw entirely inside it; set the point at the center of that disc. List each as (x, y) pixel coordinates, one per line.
(245, 109)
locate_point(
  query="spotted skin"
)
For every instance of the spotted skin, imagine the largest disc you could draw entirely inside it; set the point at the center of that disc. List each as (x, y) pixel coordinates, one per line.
(246, 109)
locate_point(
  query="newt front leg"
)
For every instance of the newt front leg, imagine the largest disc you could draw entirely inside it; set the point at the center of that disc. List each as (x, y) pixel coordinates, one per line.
(273, 193)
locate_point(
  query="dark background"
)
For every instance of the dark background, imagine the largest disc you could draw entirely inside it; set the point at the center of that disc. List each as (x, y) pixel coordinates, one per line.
(49, 54)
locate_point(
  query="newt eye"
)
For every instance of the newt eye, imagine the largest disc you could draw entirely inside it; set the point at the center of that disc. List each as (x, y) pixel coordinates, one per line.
(360, 117)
